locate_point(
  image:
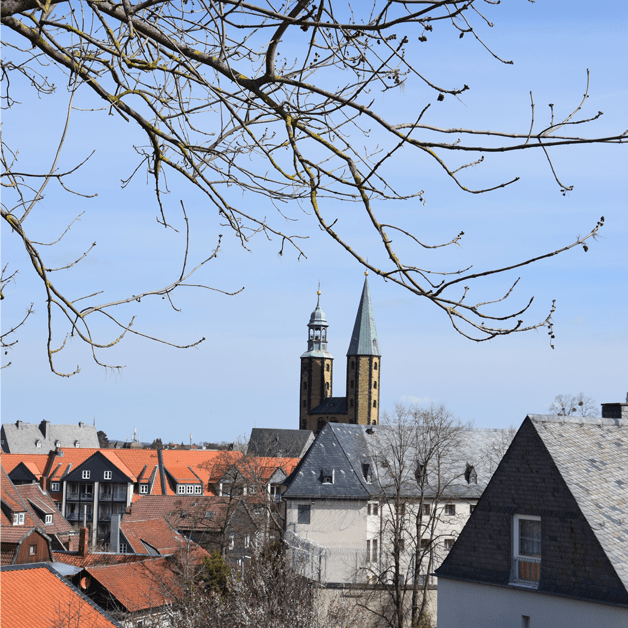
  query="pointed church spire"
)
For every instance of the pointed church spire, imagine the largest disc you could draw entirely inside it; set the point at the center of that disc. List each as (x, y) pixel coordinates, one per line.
(364, 336)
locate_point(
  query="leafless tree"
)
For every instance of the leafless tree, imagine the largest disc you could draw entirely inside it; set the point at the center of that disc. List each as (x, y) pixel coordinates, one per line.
(278, 103)
(574, 405)
(426, 487)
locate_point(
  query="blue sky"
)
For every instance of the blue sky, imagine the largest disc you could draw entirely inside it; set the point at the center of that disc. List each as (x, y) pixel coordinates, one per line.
(246, 372)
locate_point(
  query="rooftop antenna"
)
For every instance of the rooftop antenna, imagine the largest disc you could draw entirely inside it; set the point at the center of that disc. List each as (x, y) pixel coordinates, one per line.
(190, 440)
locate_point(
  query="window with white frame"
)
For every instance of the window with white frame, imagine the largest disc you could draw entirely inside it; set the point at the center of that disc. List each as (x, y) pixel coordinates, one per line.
(18, 518)
(247, 540)
(143, 489)
(123, 548)
(190, 489)
(32, 550)
(181, 489)
(107, 475)
(450, 510)
(198, 489)
(55, 487)
(48, 520)
(526, 550)
(77, 444)
(85, 474)
(231, 541)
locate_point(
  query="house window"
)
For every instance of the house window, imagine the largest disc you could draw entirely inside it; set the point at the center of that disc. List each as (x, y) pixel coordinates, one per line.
(400, 509)
(375, 366)
(327, 476)
(198, 489)
(426, 510)
(210, 514)
(55, 487)
(77, 444)
(366, 472)
(123, 548)
(190, 489)
(373, 509)
(470, 475)
(450, 510)
(32, 549)
(368, 551)
(425, 544)
(38, 444)
(247, 540)
(231, 541)
(48, 520)
(449, 543)
(526, 567)
(181, 489)
(471, 508)
(107, 475)
(18, 519)
(402, 545)
(374, 548)
(85, 475)
(143, 489)
(304, 514)
(375, 384)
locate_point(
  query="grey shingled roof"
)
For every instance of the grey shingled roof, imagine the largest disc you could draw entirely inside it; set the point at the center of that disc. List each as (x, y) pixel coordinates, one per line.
(364, 336)
(331, 405)
(592, 457)
(279, 443)
(21, 438)
(343, 449)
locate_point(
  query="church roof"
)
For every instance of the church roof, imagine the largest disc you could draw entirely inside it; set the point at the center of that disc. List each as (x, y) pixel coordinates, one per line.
(318, 318)
(364, 336)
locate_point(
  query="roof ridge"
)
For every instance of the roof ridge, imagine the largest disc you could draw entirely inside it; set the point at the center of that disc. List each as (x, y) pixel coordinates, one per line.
(579, 420)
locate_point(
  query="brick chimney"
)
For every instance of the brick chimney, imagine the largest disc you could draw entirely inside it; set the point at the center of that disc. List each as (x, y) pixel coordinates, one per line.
(83, 542)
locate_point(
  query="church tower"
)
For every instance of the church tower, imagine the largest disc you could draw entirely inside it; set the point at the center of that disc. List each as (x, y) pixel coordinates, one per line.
(317, 366)
(363, 366)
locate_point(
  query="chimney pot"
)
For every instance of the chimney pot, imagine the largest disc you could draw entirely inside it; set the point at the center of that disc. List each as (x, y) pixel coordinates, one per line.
(19, 425)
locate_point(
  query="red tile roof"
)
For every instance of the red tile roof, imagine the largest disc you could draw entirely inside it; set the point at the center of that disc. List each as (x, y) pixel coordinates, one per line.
(96, 558)
(136, 586)
(34, 496)
(60, 461)
(36, 597)
(32, 461)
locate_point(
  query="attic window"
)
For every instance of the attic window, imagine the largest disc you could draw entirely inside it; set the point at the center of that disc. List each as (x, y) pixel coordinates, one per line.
(327, 476)
(18, 518)
(55, 487)
(143, 489)
(107, 475)
(38, 444)
(210, 514)
(470, 474)
(77, 444)
(85, 475)
(366, 472)
(181, 489)
(526, 559)
(198, 489)
(48, 520)
(57, 443)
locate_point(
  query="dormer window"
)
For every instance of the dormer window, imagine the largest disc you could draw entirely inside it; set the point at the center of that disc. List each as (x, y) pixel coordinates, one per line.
(85, 475)
(198, 489)
(77, 444)
(143, 489)
(48, 520)
(327, 476)
(18, 518)
(470, 474)
(57, 443)
(181, 489)
(366, 472)
(38, 444)
(55, 487)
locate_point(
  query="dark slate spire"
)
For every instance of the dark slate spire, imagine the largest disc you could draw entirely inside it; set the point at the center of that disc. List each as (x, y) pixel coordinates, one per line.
(364, 336)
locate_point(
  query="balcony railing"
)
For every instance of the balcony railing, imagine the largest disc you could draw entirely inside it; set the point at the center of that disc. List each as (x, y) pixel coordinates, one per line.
(87, 496)
(527, 571)
(75, 516)
(116, 496)
(72, 495)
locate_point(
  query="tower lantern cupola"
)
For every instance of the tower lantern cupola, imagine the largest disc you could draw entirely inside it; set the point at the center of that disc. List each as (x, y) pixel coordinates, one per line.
(317, 329)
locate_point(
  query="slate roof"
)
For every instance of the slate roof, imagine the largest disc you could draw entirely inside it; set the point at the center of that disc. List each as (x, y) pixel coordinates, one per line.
(38, 593)
(364, 336)
(344, 449)
(22, 438)
(280, 443)
(592, 457)
(331, 405)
